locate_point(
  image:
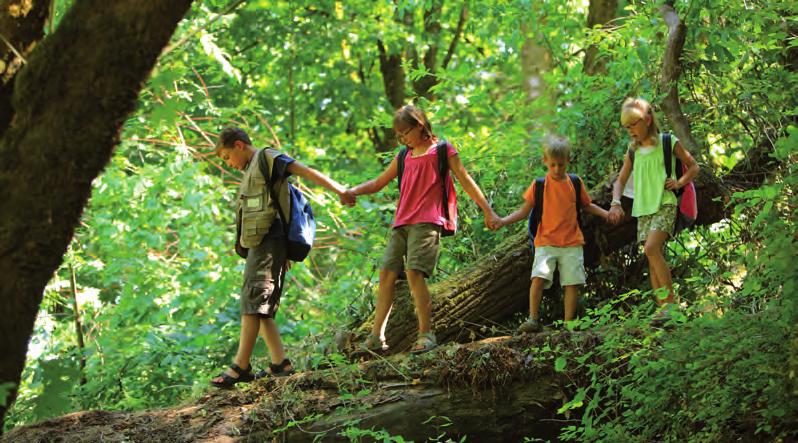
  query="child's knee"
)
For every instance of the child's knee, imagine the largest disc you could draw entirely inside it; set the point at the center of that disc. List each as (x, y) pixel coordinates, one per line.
(415, 276)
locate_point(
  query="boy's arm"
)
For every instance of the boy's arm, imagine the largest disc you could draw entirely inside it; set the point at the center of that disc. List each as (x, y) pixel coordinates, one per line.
(598, 211)
(519, 214)
(374, 185)
(472, 189)
(308, 173)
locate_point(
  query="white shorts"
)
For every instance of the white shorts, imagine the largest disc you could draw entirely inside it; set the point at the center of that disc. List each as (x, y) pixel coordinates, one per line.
(570, 261)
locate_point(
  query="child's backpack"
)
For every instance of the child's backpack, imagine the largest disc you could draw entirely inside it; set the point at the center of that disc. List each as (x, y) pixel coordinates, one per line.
(298, 223)
(537, 212)
(686, 197)
(449, 196)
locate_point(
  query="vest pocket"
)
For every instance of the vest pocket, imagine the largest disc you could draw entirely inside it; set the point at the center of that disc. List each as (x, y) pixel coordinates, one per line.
(252, 202)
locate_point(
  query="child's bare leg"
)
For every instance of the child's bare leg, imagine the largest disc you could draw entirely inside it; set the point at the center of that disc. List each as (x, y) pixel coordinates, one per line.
(657, 266)
(384, 301)
(246, 341)
(535, 296)
(271, 335)
(420, 291)
(571, 297)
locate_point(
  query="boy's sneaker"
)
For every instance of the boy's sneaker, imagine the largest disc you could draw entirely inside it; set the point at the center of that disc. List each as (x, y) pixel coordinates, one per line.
(530, 326)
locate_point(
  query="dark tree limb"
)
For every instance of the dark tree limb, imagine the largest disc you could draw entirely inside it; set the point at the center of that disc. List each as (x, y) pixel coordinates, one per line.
(599, 13)
(671, 70)
(70, 102)
(21, 28)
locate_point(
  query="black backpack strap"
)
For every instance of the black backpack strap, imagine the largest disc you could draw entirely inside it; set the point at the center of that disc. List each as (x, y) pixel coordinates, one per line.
(443, 171)
(540, 185)
(577, 182)
(667, 152)
(263, 164)
(400, 166)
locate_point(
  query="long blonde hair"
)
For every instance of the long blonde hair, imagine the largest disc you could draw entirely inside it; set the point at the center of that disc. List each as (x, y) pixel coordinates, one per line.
(636, 107)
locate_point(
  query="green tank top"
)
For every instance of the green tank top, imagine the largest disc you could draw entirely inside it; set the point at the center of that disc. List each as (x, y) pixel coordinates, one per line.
(648, 173)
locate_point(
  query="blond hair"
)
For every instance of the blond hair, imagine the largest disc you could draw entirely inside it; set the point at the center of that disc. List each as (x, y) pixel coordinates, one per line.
(634, 108)
(556, 147)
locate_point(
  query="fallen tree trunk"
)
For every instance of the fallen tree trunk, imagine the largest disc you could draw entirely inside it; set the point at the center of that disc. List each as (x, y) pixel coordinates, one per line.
(499, 389)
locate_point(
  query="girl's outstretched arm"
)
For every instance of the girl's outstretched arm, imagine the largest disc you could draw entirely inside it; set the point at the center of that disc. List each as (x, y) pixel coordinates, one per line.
(616, 212)
(374, 185)
(689, 174)
(472, 189)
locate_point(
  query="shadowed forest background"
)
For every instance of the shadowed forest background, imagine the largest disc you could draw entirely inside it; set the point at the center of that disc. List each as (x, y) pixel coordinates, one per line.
(143, 309)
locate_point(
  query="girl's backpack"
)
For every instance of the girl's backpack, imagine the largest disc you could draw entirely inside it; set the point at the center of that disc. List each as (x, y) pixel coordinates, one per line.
(686, 197)
(298, 222)
(449, 196)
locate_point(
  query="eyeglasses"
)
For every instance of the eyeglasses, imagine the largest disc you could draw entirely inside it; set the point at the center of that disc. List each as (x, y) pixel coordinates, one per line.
(631, 125)
(402, 134)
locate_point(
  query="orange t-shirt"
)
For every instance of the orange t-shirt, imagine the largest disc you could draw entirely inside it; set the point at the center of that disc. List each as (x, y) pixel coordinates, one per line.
(558, 226)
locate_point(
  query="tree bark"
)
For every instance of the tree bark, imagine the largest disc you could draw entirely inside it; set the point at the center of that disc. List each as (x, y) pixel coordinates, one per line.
(21, 27)
(600, 13)
(69, 103)
(671, 70)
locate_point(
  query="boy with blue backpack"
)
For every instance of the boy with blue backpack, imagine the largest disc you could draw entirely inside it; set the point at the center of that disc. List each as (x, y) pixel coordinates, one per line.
(274, 224)
(553, 204)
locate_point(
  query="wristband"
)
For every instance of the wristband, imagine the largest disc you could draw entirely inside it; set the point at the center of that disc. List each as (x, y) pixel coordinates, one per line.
(615, 203)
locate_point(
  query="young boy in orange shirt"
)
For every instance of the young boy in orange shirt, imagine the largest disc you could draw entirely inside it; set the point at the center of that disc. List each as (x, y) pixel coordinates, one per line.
(558, 240)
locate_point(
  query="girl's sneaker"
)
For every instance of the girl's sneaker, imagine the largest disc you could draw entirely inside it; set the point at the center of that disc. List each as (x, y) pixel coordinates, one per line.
(374, 344)
(426, 342)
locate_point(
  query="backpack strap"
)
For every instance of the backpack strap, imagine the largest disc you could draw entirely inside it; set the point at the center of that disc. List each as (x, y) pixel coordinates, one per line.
(442, 149)
(263, 164)
(537, 211)
(577, 182)
(670, 160)
(400, 166)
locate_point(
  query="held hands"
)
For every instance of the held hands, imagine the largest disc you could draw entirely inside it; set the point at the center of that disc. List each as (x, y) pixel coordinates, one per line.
(492, 220)
(616, 214)
(348, 198)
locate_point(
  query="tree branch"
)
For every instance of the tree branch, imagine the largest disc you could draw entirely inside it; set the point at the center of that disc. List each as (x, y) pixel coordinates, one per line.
(457, 33)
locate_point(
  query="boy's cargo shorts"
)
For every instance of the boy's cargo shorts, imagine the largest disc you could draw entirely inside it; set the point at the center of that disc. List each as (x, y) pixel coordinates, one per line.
(263, 278)
(663, 220)
(570, 261)
(419, 243)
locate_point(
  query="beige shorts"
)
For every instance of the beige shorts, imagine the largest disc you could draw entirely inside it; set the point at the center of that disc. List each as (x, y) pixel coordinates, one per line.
(662, 220)
(263, 278)
(570, 261)
(413, 247)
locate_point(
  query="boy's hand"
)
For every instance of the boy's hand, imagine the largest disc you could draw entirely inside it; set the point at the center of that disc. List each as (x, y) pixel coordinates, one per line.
(348, 198)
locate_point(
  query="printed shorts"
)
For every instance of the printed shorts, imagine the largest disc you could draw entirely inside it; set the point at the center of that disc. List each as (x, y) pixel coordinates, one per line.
(570, 261)
(263, 278)
(415, 247)
(662, 220)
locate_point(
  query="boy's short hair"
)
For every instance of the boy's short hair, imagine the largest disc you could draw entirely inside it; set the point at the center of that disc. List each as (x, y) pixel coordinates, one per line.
(556, 147)
(230, 135)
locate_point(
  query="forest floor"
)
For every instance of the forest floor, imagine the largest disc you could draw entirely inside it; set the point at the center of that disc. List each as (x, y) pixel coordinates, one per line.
(501, 387)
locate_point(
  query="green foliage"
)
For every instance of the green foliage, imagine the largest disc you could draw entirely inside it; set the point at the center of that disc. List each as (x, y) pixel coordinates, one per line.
(157, 280)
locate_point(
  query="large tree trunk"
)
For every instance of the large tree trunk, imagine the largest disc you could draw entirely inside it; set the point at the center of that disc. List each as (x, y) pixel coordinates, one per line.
(599, 13)
(68, 105)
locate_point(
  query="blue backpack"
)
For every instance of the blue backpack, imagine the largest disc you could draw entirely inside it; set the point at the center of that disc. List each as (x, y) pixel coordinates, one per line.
(537, 212)
(298, 224)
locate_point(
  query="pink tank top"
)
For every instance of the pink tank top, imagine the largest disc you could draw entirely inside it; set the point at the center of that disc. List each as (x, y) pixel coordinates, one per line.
(420, 197)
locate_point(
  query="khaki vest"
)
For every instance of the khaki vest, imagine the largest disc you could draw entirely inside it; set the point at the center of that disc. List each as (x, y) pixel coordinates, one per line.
(254, 208)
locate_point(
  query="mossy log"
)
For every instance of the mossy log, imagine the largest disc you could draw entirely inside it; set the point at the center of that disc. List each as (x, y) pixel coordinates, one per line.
(499, 389)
